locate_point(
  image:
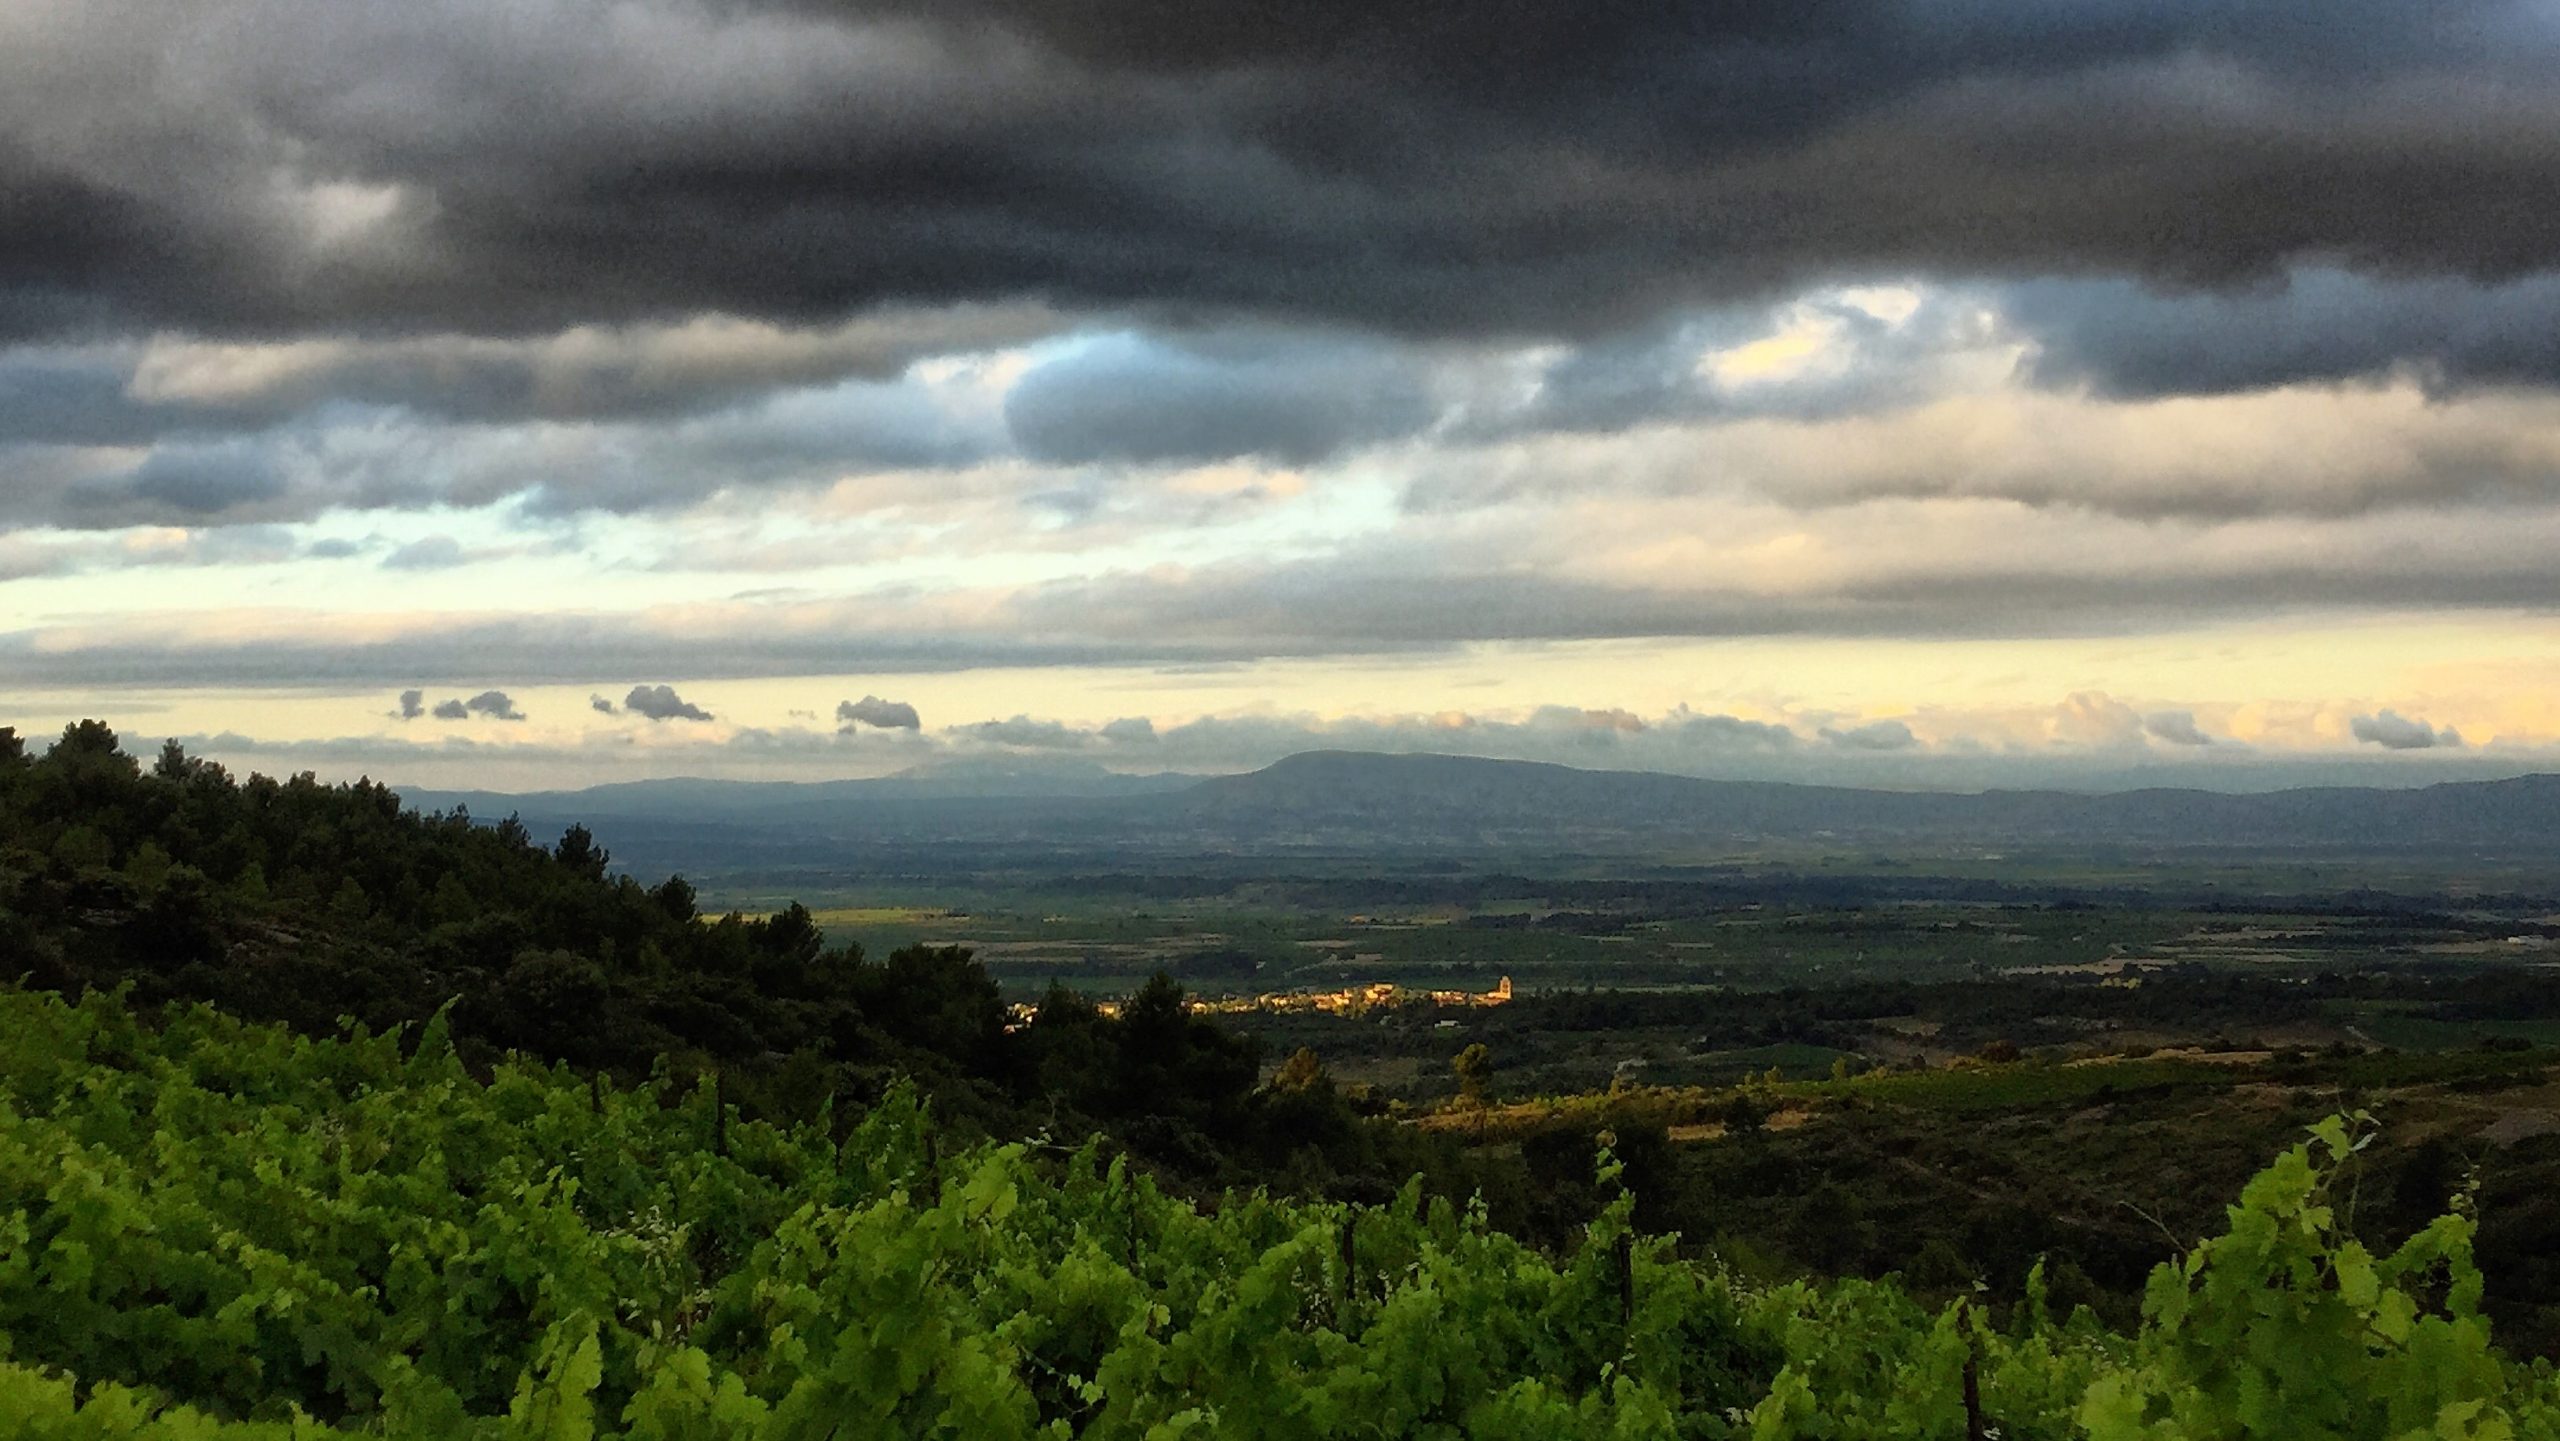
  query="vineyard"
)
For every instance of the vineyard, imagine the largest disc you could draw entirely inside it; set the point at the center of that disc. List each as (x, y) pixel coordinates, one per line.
(226, 1231)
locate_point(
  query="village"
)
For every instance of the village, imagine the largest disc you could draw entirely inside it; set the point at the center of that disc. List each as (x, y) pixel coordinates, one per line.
(1347, 1001)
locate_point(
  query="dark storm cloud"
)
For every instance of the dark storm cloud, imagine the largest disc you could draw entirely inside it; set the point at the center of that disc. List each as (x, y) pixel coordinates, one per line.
(1557, 167)
(274, 258)
(602, 706)
(2124, 339)
(452, 710)
(661, 703)
(412, 704)
(871, 710)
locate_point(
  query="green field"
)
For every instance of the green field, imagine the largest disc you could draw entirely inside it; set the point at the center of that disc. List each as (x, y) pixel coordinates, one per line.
(1329, 933)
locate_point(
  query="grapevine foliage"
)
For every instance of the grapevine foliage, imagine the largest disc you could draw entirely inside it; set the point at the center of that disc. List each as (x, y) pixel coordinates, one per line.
(221, 1231)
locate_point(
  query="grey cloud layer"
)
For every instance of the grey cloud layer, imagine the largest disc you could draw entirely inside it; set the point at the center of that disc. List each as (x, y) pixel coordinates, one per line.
(263, 261)
(1537, 579)
(1408, 163)
(1234, 744)
(23, 557)
(1683, 740)
(136, 390)
(1884, 406)
(365, 457)
(2316, 325)
(119, 436)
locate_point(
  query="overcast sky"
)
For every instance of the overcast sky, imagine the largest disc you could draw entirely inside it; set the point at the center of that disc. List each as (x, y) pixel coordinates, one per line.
(537, 392)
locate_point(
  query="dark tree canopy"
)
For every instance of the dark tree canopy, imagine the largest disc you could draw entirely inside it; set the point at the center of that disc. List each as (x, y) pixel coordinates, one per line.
(295, 901)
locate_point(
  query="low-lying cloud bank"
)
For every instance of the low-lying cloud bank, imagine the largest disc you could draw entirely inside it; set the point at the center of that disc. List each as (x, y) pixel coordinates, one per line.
(1847, 392)
(1559, 570)
(2087, 741)
(2392, 731)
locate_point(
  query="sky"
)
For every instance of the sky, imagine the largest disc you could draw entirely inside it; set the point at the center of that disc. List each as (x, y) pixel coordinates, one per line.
(538, 393)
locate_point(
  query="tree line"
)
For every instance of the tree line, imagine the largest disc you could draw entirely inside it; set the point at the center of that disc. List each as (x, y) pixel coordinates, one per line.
(311, 904)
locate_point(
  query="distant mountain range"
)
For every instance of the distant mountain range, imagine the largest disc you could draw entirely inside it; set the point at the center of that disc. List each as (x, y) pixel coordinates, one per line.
(1339, 801)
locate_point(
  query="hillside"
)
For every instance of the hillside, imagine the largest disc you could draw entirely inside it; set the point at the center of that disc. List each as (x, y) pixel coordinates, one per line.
(319, 905)
(726, 1217)
(1414, 797)
(1372, 803)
